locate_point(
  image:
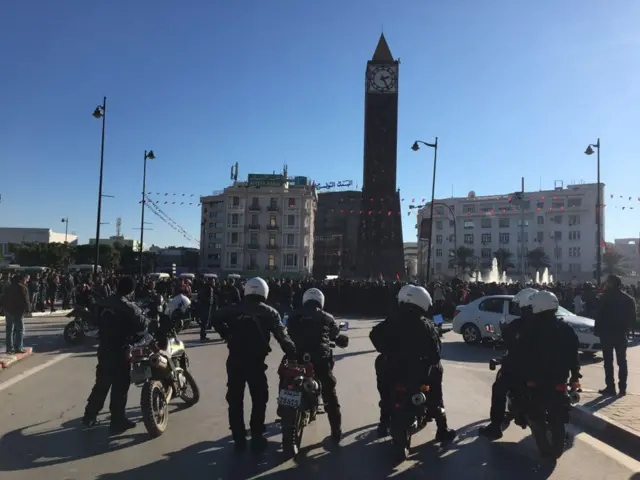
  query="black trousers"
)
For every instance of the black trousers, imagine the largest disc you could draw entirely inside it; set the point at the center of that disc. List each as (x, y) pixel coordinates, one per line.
(499, 392)
(619, 346)
(251, 372)
(113, 372)
(386, 373)
(324, 373)
(205, 319)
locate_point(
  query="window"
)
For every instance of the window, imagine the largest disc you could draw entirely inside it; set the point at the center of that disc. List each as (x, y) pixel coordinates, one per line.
(468, 224)
(217, 245)
(486, 238)
(526, 223)
(487, 209)
(485, 223)
(272, 240)
(234, 238)
(439, 210)
(468, 238)
(526, 237)
(254, 219)
(214, 256)
(557, 219)
(291, 239)
(514, 309)
(557, 205)
(574, 235)
(291, 201)
(253, 238)
(557, 236)
(574, 202)
(439, 239)
(291, 220)
(503, 223)
(574, 251)
(558, 267)
(540, 220)
(215, 236)
(470, 208)
(214, 214)
(271, 260)
(539, 237)
(216, 225)
(235, 201)
(452, 223)
(438, 252)
(575, 267)
(233, 258)
(233, 219)
(574, 220)
(255, 202)
(485, 253)
(540, 205)
(558, 252)
(291, 260)
(493, 305)
(272, 220)
(253, 259)
(504, 238)
(438, 224)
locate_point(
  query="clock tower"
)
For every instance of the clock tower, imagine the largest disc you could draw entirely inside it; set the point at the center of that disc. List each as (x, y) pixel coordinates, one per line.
(380, 249)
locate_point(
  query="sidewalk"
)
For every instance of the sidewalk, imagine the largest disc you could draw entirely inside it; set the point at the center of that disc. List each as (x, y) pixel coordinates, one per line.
(58, 312)
(6, 359)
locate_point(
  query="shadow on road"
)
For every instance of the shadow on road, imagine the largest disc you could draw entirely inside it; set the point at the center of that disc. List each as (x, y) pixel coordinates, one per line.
(461, 352)
(342, 356)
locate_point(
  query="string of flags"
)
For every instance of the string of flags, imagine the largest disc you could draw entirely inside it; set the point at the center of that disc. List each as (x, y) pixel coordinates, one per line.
(156, 210)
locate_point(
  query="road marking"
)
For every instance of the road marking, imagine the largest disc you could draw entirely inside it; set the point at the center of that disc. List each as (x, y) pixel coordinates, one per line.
(33, 371)
(619, 457)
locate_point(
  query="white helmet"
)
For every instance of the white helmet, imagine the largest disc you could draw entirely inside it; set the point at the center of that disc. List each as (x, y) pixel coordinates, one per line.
(256, 286)
(414, 295)
(313, 294)
(544, 301)
(523, 297)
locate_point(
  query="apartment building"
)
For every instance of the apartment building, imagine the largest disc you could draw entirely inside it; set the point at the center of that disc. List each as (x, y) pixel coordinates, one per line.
(264, 226)
(561, 221)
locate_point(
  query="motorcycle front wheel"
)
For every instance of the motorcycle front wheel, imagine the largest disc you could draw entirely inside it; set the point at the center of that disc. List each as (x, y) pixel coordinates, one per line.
(550, 439)
(155, 408)
(73, 332)
(194, 396)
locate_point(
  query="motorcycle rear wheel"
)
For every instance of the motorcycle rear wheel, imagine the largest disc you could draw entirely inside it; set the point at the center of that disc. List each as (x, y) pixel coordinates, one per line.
(292, 429)
(401, 441)
(155, 408)
(73, 332)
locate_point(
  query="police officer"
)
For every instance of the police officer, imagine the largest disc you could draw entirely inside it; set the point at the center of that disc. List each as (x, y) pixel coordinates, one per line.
(206, 304)
(312, 330)
(247, 329)
(120, 321)
(406, 341)
(507, 376)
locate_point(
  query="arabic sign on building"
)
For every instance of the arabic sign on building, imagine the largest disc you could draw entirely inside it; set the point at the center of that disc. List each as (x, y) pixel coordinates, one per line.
(329, 185)
(265, 180)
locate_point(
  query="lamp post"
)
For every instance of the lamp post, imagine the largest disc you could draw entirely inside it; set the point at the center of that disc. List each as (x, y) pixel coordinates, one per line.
(589, 151)
(65, 220)
(147, 156)
(415, 147)
(100, 112)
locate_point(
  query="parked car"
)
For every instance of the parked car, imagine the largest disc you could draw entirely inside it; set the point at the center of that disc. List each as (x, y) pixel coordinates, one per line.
(480, 321)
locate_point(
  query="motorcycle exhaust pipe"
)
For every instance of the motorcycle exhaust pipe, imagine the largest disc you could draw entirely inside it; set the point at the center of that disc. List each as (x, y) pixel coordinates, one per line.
(418, 399)
(159, 362)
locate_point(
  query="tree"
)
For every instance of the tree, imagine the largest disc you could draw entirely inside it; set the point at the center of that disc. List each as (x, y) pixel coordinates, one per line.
(613, 262)
(504, 259)
(462, 258)
(55, 255)
(538, 259)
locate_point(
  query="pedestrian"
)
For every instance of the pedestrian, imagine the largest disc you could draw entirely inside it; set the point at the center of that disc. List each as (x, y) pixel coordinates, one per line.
(615, 318)
(16, 304)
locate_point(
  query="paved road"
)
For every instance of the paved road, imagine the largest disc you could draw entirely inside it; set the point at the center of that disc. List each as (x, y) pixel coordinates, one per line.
(41, 438)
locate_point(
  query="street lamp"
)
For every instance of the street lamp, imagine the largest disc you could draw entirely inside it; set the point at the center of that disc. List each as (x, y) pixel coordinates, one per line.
(589, 151)
(100, 112)
(65, 220)
(415, 148)
(147, 156)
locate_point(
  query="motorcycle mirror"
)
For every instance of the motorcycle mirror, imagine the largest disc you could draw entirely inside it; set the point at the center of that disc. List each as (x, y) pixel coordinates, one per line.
(344, 325)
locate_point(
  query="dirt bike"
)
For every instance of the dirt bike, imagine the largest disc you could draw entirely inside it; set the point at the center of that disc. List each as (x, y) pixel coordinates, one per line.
(160, 365)
(84, 325)
(299, 397)
(543, 409)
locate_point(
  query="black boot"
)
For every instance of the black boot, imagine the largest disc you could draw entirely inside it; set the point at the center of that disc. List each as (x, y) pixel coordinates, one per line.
(259, 443)
(383, 427)
(493, 431)
(444, 434)
(335, 420)
(239, 440)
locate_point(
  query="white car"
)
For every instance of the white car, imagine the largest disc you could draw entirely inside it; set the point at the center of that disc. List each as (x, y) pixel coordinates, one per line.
(480, 320)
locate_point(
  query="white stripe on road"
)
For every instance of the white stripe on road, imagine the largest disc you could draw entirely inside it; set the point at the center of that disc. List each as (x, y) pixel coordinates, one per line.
(33, 371)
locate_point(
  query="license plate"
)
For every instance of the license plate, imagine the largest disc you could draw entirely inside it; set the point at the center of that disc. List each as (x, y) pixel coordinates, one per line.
(140, 374)
(289, 398)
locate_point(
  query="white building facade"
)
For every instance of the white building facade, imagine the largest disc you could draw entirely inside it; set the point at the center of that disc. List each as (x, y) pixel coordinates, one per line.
(411, 258)
(561, 221)
(264, 226)
(19, 235)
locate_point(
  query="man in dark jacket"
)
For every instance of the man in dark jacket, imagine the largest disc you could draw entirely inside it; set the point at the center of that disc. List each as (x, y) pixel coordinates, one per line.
(312, 330)
(247, 329)
(16, 304)
(616, 317)
(120, 321)
(206, 304)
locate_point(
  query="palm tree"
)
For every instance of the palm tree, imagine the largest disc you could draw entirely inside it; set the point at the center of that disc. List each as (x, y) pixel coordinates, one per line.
(504, 259)
(612, 262)
(462, 258)
(538, 259)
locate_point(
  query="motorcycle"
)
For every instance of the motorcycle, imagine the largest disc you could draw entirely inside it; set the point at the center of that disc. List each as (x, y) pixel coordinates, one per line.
(410, 413)
(160, 365)
(84, 325)
(299, 397)
(544, 410)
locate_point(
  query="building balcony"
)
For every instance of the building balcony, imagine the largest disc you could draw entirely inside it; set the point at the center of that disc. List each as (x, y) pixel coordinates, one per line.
(252, 267)
(290, 268)
(253, 227)
(254, 208)
(271, 268)
(234, 246)
(234, 226)
(291, 227)
(291, 247)
(253, 246)
(272, 228)
(272, 248)
(235, 208)
(273, 208)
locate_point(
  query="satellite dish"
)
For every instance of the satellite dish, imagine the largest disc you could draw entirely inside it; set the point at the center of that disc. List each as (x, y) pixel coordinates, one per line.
(471, 194)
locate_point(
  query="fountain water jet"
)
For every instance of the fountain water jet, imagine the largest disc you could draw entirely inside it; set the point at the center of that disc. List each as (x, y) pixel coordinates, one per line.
(545, 276)
(537, 277)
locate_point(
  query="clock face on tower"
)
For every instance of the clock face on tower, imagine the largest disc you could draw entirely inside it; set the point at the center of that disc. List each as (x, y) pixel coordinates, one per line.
(382, 79)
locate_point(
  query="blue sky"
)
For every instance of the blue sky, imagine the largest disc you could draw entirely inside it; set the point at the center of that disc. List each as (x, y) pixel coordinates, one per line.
(511, 88)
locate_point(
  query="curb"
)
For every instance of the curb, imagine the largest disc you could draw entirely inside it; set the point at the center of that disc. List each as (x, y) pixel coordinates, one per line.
(41, 314)
(605, 427)
(6, 360)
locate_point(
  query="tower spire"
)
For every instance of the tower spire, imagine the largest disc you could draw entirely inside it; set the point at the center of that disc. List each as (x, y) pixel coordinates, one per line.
(382, 53)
